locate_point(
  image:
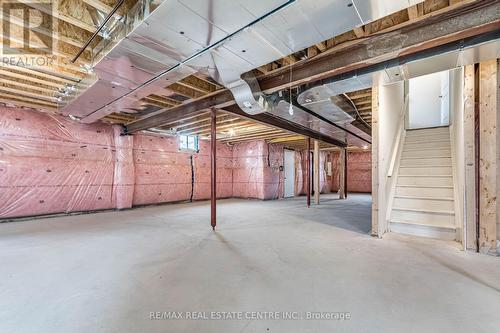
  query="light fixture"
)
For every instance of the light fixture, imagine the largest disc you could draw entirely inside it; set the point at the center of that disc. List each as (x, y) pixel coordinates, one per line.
(231, 132)
(365, 147)
(290, 109)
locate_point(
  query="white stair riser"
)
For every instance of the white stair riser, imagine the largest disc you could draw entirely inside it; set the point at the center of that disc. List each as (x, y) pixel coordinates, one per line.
(441, 170)
(425, 191)
(428, 131)
(425, 204)
(425, 181)
(433, 137)
(408, 162)
(425, 165)
(426, 153)
(423, 218)
(423, 231)
(427, 145)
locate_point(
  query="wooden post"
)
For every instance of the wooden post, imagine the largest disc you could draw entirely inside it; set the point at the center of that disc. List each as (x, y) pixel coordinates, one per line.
(316, 172)
(213, 169)
(308, 172)
(488, 164)
(375, 181)
(342, 174)
(470, 160)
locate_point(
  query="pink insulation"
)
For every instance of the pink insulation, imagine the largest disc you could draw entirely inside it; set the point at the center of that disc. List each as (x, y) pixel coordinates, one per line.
(162, 173)
(359, 174)
(324, 184)
(300, 172)
(273, 176)
(124, 173)
(256, 170)
(49, 164)
(248, 169)
(165, 174)
(201, 162)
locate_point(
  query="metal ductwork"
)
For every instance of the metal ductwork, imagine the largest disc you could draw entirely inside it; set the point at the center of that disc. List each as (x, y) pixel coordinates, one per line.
(318, 99)
(222, 38)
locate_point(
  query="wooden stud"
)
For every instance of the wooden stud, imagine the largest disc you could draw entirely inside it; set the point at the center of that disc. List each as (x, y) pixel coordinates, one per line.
(470, 160)
(488, 169)
(377, 230)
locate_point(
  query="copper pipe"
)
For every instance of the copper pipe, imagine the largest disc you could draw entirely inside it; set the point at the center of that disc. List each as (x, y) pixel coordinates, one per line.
(213, 169)
(308, 172)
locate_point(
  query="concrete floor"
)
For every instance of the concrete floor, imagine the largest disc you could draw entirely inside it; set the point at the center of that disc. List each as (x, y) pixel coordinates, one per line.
(106, 272)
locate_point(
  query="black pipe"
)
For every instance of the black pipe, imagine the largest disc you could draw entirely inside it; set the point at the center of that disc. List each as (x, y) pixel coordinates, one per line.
(94, 35)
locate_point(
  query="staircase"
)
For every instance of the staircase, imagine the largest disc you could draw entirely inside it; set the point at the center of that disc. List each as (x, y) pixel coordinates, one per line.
(423, 202)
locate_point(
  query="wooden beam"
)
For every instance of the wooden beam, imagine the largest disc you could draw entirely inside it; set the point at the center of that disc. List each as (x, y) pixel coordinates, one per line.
(185, 90)
(258, 137)
(22, 83)
(64, 11)
(292, 138)
(488, 168)
(16, 75)
(359, 32)
(199, 84)
(462, 22)
(236, 125)
(221, 119)
(16, 97)
(451, 27)
(412, 12)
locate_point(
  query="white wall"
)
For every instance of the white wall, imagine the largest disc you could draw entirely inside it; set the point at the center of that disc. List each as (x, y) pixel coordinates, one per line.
(458, 145)
(390, 120)
(429, 100)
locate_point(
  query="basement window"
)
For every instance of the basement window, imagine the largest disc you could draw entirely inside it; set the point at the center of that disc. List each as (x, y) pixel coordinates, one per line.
(188, 142)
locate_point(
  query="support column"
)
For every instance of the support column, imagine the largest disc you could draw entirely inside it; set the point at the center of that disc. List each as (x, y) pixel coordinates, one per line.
(345, 173)
(308, 172)
(470, 158)
(375, 182)
(316, 172)
(488, 164)
(342, 174)
(213, 168)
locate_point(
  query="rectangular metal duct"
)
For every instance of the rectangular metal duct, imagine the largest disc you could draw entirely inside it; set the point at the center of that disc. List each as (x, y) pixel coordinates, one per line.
(224, 38)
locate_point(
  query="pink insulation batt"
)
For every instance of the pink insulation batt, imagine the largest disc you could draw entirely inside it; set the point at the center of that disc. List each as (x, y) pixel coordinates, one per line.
(359, 175)
(256, 170)
(50, 164)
